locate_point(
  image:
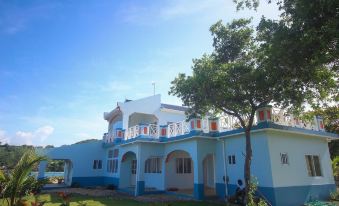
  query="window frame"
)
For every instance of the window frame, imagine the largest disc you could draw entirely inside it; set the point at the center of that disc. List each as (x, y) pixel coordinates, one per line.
(96, 164)
(284, 159)
(134, 167)
(312, 169)
(153, 165)
(183, 165)
(231, 159)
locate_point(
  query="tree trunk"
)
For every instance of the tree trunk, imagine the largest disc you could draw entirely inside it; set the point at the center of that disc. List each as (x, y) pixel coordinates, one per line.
(248, 158)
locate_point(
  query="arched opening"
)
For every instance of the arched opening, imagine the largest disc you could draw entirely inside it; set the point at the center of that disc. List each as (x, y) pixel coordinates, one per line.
(128, 171)
(208, 175)
(179, 172)
(58, 171)
(141, 118)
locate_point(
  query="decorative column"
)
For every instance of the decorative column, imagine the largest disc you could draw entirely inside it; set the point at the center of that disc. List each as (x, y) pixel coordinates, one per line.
(198, 191)
(119, 135)
(264, 114)
(213, 125)
(143, 130)
(140, 179)
(42, 169)
(163, 132)
(320, 123)
(196, 124)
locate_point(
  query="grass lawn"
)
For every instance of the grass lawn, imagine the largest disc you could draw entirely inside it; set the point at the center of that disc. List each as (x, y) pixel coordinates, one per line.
(81, 200)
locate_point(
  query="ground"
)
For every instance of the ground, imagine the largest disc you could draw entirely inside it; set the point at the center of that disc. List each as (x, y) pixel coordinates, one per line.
(101, 197)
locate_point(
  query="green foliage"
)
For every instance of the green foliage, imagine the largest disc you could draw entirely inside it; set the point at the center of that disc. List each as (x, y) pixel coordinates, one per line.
(330, 116)
(55, 166)
(334, 195)
(335, 166)
(277, 64)
(252, 200)
(10, 155)
(227, 80)
(18, 181)
(318, 203)
(301, 48)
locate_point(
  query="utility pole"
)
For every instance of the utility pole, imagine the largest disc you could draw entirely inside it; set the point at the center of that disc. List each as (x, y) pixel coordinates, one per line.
(153, 83)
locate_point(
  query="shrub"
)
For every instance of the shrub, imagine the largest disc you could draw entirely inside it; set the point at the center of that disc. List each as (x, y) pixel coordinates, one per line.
(75, 185)
(111, 187)
(318, 203)
(334, 195)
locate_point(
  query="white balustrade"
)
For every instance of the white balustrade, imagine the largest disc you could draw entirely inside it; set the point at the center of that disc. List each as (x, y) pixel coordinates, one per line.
(226, 123)
(282, 118)
(153, 130)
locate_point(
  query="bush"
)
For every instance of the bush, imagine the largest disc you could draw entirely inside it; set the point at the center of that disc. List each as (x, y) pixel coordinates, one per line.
(111, 187)
(75, 185)
(318, 203)
(334, 195)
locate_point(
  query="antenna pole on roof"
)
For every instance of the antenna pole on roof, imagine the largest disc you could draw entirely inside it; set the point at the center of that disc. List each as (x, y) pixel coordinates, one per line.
(153, 83)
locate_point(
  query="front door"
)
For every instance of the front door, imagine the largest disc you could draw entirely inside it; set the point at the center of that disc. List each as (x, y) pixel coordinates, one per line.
(133, 172)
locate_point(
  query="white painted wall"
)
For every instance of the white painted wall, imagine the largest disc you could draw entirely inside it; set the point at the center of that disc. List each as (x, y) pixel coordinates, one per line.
(153, 180)
(181, 181)
(261, 167)
(297, 146)
(208, 167)
(165, 117)
(81, 156)
(146, 105)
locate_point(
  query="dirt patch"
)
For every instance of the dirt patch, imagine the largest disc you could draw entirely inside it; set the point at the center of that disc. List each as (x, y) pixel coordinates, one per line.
(101, 192)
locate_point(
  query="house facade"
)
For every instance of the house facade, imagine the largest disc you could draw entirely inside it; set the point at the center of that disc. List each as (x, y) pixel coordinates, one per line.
(150, 147)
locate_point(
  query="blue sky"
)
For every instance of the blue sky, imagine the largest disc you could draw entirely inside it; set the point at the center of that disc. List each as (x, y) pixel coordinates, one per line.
(63, 63)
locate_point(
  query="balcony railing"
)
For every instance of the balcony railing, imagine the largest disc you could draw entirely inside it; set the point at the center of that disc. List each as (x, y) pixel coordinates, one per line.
(221, 124)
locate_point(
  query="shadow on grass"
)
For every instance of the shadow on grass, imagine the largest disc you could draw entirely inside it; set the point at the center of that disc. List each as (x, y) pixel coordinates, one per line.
(82, 200)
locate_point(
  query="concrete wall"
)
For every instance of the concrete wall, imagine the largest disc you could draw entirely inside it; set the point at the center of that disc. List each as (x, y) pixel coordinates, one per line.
(174, 180)
(165, 117)
(146, 105)
(154, 180)
(261, 167)
(81, 157)
(292, 180)
(297, 146)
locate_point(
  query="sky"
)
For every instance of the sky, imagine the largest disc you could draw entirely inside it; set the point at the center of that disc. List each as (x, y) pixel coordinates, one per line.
(64, 63)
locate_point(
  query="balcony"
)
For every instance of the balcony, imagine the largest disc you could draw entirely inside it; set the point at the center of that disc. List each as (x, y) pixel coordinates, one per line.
(222, 124)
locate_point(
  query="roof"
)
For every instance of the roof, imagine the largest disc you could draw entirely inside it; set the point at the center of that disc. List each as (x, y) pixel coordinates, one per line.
(174, 107)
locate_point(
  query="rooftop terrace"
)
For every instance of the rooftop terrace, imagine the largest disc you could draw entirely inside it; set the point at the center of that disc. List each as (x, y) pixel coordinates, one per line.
(221, 124)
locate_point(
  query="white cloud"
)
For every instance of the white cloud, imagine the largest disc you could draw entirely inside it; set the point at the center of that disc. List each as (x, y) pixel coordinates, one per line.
(3, 137)
(35, 137)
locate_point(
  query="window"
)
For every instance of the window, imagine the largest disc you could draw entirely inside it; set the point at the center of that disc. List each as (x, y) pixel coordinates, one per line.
(184, 165)
(284, 158)
(231, 159)
(97, 164)
(116, 153)
(112, 164)
(110, 153)
(134, 167)
(313, 165)
(153, 165)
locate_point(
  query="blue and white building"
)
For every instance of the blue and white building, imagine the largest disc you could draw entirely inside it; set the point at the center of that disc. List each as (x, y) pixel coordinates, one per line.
(149, 147)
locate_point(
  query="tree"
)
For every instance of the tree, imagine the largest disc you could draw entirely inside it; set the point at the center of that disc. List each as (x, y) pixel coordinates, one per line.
(240, 76)
(330, 115)
(228, 81)
(18, 181)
